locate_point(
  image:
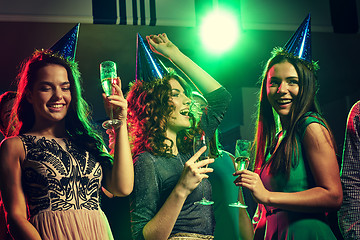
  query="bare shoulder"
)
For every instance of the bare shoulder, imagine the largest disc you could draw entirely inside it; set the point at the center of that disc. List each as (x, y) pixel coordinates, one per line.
(12, 148)
(317, 136)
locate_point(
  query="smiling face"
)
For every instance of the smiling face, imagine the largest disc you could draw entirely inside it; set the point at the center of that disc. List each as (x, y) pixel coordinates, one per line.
(282, 87)
(179, 118)
(51, 95)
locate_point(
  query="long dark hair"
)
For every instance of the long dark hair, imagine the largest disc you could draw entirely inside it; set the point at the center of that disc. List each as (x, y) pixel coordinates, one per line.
(77, 121)
(149, 109)
(267, 124)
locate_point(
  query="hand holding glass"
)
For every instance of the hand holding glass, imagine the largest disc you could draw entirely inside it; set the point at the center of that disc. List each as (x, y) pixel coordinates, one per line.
(109, 77)
(201, 140)
(242, 160)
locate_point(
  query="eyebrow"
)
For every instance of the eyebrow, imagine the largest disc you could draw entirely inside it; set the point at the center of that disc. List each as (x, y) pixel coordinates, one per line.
(175, 89)
(291, 77)
(50, 83)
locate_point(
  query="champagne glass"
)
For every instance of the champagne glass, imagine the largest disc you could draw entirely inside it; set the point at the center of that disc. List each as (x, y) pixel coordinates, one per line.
(201, 140)
(108, 77)
(242, 160)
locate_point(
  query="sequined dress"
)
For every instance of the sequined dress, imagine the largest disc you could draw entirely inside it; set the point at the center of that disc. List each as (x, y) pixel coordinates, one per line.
(61, 183)
(156, 176)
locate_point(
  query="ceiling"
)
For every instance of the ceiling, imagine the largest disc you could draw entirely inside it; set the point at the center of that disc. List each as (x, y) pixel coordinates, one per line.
(108, 32)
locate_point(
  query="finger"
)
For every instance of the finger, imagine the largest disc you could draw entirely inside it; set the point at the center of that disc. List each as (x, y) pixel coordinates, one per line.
(118, 82)
(118, 90)
(245, 185)
(237, 173)
(204, 162)
(163, 37)
(105, 98)
(150, 41)
(205, 170)
(197, 155)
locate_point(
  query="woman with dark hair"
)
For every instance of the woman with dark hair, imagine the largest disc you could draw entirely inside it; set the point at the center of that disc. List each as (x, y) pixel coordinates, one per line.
(53, 167)
(169, 179)
(296, 178)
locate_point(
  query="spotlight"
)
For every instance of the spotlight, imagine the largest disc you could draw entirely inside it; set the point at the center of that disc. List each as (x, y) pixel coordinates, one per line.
(219, 31)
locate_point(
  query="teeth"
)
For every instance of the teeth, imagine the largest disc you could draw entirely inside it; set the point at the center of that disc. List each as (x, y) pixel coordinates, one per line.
(56, 106)
(284, 101)
(184, 112)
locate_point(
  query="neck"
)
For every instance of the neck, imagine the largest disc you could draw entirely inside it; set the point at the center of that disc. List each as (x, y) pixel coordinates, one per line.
(285, 122)
(56, 130)
(172, 136)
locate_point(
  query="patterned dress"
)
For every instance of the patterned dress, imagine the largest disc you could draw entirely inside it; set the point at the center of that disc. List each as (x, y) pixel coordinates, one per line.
(61, 183)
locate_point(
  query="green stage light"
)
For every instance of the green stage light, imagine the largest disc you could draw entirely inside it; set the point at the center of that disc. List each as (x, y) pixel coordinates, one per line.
(219, 31)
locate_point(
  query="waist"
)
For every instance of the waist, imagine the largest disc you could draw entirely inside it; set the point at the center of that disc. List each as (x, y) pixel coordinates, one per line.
(294, 215)
(189, 236)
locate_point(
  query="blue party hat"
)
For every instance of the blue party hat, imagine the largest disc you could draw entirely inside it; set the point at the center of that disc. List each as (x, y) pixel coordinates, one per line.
(148, 66)
(299, 44)
(66, 46)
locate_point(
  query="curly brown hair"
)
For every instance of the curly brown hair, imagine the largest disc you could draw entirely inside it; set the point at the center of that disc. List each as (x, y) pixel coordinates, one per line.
(149, 110)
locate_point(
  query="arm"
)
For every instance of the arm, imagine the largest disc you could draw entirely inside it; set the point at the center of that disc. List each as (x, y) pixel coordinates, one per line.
(11, 154)
(158, 225)
(162, 45)
(326, 195)
(120, 180)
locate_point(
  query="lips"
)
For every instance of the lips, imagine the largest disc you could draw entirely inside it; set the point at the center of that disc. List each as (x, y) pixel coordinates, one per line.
(283, 101)
(184, 112)
(55, 107)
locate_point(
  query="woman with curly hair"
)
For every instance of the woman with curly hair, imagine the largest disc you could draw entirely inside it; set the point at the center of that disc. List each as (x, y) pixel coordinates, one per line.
(53, 168)
(168, 177)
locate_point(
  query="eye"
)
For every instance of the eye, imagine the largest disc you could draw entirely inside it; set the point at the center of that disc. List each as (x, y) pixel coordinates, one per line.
(175, 94)
(45, 88)
(273, 83)
(293, 82)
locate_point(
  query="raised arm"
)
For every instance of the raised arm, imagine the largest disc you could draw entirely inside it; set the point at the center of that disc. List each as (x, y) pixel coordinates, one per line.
(327, 193)
(120, 181)
(11, 154)
(201, 79)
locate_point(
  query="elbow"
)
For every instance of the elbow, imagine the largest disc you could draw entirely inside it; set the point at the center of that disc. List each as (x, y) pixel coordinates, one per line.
(124, 191)
(336, 199)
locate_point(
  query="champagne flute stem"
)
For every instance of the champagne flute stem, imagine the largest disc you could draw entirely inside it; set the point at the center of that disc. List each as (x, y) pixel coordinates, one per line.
(111, 112)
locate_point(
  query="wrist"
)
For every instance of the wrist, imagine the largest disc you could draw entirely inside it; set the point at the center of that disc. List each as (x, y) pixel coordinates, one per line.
(175, 54)
(180, 191)
(267, 199)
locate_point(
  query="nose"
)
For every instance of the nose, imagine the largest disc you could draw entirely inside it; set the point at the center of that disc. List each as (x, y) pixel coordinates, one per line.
(282, 88)
(58, 94)
(186, 101)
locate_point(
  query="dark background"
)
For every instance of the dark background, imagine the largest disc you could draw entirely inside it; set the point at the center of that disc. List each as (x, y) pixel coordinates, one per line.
(264, 25)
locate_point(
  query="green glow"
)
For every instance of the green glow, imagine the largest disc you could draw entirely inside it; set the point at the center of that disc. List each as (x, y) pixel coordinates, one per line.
(219, 31)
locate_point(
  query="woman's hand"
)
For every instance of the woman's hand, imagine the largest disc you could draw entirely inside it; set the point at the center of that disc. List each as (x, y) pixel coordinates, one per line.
(252, 181)
(117, 102)
(160, 44)
(194, 171)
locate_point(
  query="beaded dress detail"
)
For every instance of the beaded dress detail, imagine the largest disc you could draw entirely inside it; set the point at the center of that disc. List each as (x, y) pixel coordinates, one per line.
(61, 183)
